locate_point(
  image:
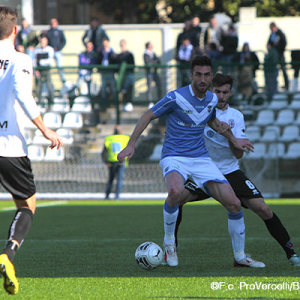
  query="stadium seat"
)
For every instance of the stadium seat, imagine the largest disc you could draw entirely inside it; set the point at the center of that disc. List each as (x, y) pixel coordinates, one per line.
(66, 135)
(35, 153)
(52, 120)
(253, 133)
(156, 154)
(265, 117)
(82, 107)
(82, 100)
(73, 120)
(295, 104)
(54, 155)
(275, 150)
(270, 134)
(279, 101)
(290, 133)
(60, 105)
(39, 139)
(259, 151)
(297, 121)
(285, 117)
(293, 151)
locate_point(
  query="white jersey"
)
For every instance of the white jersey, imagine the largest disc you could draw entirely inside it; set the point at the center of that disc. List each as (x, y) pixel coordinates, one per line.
(15, 84)
(218, 146)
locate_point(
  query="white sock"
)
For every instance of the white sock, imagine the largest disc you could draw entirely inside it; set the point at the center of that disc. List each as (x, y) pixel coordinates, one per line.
(236, 229)
(170, 218)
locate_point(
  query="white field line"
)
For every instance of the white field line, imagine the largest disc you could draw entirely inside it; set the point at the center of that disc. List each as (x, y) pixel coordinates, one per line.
(46, 204)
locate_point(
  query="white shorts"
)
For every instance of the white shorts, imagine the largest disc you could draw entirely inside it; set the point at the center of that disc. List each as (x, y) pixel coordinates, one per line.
(200, 169)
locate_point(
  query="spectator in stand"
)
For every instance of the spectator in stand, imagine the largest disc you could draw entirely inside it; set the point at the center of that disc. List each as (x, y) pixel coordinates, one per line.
(27, 38)
(150, 59)
(57, 40)
(214, 54)
(271, 60)
(184, 58)
(185, 32)
(229, 43)
(248, 63)
(277, 37)
(95, 34)
(43, 57)
(106, 58)
(87, 58)
(213, 33)
(295, 56)
(113, 144)
(195, 32)
(128, 81)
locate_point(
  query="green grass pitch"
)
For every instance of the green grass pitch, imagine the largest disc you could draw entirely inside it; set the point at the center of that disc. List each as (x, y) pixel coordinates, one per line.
(85, 250)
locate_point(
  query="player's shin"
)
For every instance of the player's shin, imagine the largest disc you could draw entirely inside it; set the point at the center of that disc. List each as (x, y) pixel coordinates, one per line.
(170, 217)
(280, 234)
(17, 231)
(236, 229)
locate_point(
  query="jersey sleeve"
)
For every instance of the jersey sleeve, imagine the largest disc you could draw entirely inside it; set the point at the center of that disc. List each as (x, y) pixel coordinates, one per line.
(239, 129)
(165, 105)
(22, 83)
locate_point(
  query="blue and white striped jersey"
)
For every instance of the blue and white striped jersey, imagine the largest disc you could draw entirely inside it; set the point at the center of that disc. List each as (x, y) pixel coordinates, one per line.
(186, 117)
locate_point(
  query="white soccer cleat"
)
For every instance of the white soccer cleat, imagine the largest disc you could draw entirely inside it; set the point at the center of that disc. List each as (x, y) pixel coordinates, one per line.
(295, 260)
(249, 262)
(170, 255)
(128, 107)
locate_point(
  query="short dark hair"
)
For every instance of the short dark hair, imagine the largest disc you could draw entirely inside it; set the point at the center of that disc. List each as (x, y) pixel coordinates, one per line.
(201, 60)
(8, 20)
(221, 79)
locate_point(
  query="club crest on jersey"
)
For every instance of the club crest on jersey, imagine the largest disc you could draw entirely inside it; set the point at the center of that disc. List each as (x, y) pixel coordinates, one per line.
(209, 108)
(231, 123)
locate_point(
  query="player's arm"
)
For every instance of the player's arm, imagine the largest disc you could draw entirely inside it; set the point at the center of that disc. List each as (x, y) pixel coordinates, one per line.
(224, 129)
(23, 92)
(142, 123)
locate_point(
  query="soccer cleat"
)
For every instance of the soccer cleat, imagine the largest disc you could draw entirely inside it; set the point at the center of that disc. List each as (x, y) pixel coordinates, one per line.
(295, 260)
(170, 255)
(249, 262)
(7, 269)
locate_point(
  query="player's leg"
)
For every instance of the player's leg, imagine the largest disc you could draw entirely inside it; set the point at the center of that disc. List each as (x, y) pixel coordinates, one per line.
(275, 227)
(252, 198)
(192, 193)
(111, 176)
(17, 178)
(175, 186)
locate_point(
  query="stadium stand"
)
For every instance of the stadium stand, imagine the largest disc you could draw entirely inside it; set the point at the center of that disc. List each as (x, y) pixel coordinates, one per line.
(279, 101)
(265, 117)
(60, 105)
(275, 150)
(67, 135)
(35, 153)
(293, 151)
(260, 150)
(73, 120)
(271, 133)
(285, 117)
(290, 133)
(253, 133)
(297, 120)
(54, 155)
(52, 120)
(39, 139)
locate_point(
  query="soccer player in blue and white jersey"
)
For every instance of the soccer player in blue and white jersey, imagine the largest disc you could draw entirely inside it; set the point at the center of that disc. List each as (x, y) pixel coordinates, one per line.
(187, 112)
(226, 159)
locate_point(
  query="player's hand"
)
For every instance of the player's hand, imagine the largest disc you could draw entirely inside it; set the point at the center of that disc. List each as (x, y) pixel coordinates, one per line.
(53, 137)
(244, 145)
(126, 152)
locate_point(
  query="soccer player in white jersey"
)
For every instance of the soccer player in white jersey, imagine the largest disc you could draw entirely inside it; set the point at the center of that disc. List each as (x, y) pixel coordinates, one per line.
(226, 158)
(187, 111)
(15, 168)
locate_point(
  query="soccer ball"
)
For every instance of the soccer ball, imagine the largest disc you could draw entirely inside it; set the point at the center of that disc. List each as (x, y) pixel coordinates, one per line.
(148, 255)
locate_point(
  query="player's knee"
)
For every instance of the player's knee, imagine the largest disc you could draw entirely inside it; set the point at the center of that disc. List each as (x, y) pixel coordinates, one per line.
(175, 194)
(234, 206)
